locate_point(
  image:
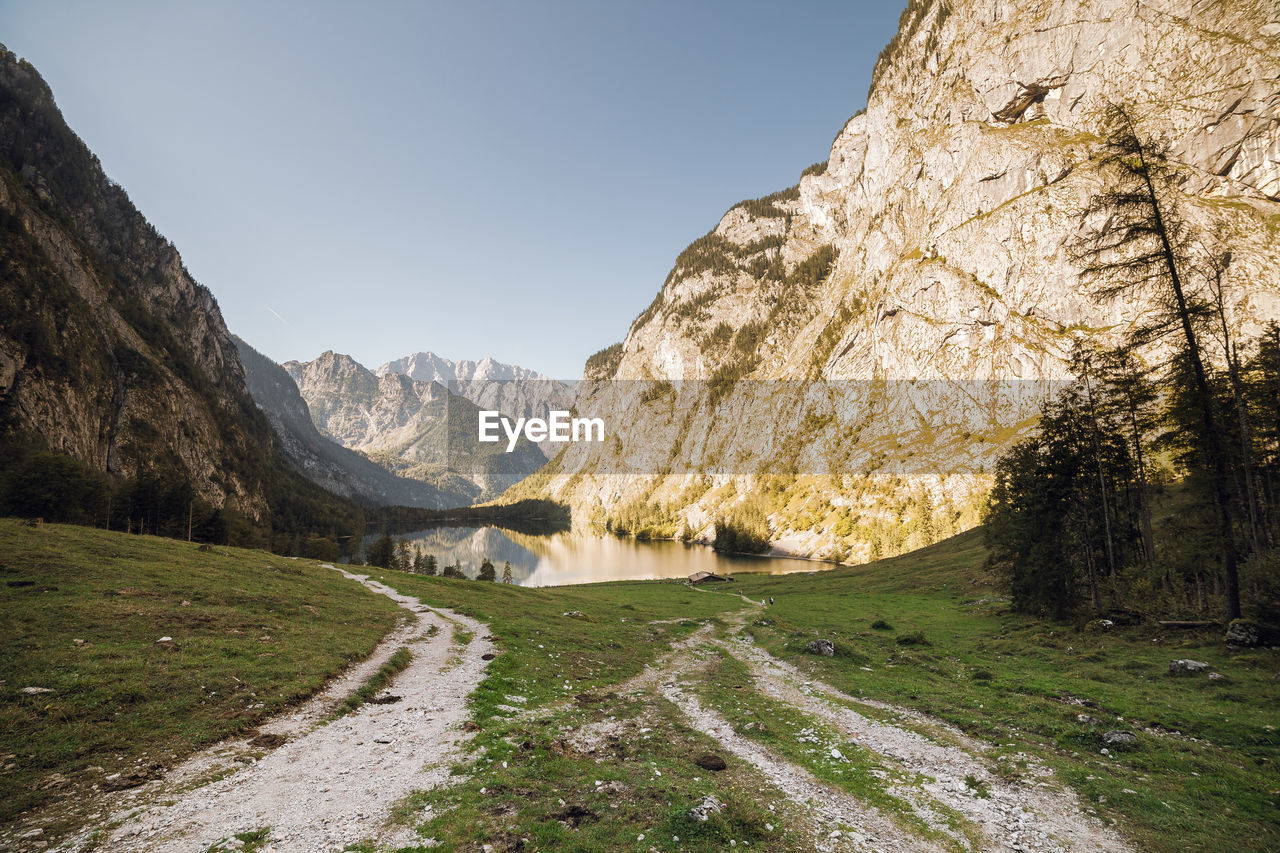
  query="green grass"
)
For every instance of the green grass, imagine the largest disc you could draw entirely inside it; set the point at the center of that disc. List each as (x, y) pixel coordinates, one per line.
(547, 656)
(1023, 683)
(553, 674)
(248, 841)
(81, 611)
(397, 663)
(536, 781)
(928, 630)
(937, 636)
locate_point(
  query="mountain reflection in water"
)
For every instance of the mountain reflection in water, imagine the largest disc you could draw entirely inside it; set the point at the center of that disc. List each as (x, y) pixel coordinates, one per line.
(569, 558)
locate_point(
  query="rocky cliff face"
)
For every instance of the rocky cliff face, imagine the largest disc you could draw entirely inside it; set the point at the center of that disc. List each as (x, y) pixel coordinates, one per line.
(109, 350)
(515, 391)
(933, 245)
(420, 430)
(324, 461)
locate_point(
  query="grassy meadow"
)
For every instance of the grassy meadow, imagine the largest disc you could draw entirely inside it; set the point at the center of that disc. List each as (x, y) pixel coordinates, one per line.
(81, 611)
(565, 755)
(944, 642)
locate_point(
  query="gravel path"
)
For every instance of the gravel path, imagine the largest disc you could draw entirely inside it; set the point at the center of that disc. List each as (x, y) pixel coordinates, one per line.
(1036, 816)
(330, 784)
(835, 820)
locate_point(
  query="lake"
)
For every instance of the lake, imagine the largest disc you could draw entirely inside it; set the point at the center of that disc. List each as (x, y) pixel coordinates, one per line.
(567, 558)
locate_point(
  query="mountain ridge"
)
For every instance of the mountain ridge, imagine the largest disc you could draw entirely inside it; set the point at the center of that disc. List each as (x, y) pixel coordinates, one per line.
(112, 355)
(416, 429)
(934, 244)
(426, 366)
(326, 462)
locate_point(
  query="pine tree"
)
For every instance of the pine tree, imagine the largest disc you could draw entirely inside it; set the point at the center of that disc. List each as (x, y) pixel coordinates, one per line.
(1142, 242)
(506, 572)
(1133, 403)
(381, 552)
(487, 572)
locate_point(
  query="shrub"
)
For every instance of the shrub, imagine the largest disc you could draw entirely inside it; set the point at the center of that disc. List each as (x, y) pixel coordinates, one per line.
(915, 639)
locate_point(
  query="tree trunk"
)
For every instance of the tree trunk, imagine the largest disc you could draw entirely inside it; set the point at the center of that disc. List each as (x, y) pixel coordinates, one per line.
(1102, 482)
(1144, 499)
(1090, 563)
(1242, 414)
(1213, 439)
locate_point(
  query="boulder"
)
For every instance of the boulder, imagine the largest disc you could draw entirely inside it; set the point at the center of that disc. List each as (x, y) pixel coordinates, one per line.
(710, 762)
(705, 808)
(826, 648)
(1242, 632)
(1117, 736)
(1186, 666)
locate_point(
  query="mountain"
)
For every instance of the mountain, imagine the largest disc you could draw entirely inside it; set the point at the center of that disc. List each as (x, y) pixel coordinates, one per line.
(851, 353)
(515, 391)
(429, 367)
(324, 461)
(419, 430)
(117, 372)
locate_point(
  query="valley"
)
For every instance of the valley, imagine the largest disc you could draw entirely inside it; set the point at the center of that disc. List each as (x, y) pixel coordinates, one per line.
(952, 726)
(931, 504)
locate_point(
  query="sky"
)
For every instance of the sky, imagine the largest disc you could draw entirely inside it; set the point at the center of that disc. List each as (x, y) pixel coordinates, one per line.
(480, 178)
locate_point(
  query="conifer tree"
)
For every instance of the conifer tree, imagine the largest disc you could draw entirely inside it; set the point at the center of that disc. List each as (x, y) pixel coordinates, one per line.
(1141, 242)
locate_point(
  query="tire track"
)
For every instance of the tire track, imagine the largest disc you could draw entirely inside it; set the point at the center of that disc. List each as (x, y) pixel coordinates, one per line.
(1037, 817)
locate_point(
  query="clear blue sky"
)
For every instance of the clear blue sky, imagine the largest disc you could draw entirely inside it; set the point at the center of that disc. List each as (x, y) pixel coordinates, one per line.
(505, 179)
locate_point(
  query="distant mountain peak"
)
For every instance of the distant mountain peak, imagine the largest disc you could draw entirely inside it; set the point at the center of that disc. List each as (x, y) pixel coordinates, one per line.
(429, 367)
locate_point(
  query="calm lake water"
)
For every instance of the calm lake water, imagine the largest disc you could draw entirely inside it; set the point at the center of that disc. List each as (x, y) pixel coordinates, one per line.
(567, 558)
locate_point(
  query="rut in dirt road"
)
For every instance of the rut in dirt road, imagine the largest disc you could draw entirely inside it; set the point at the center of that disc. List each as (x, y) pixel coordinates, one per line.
(837, 821)
(1035, 815)
(925, 765)
(334, 784)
